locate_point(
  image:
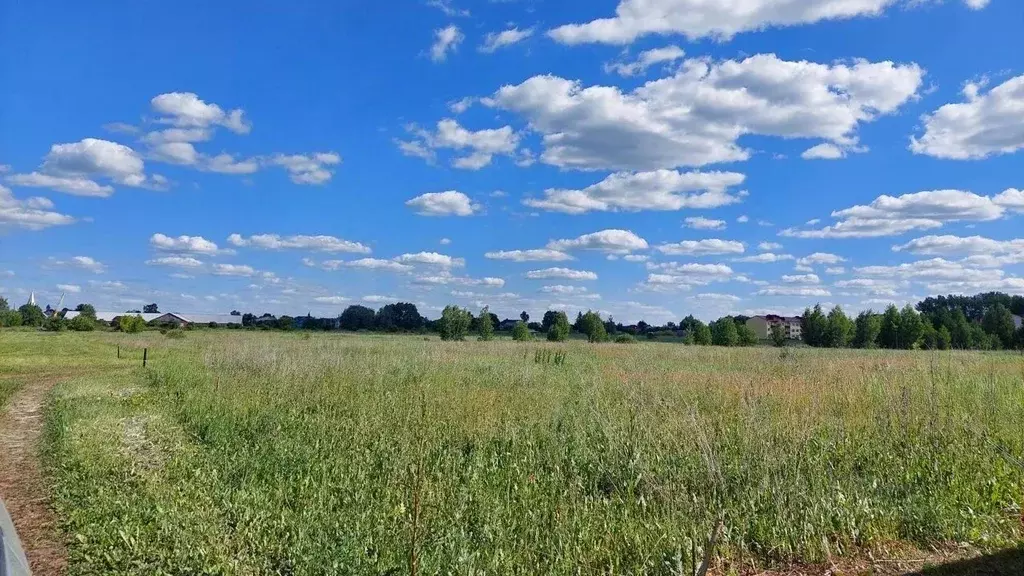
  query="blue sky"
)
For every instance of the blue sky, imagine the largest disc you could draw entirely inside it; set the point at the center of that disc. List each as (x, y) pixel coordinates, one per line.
(645, 159)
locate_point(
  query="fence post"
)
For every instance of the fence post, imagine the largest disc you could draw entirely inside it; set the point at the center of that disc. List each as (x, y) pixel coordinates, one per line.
(145, 352)
(118, 351)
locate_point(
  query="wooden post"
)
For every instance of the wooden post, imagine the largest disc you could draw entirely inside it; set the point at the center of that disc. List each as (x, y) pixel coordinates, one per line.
(145, 352)
(118, 351)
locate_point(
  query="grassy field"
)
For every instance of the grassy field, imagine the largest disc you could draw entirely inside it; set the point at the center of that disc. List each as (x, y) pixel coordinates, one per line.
(246, 453)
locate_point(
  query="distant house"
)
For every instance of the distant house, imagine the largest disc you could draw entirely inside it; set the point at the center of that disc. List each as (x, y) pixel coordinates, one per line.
(762, 326)
(175, 318)
(507, 324)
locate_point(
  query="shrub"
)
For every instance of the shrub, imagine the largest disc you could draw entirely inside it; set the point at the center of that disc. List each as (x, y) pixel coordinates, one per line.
(521, 332)
(625, 339)
(82, 323)
(10, 318)
(593, 327)
(486, 324)
(130, 324)
(55, 323)
(173, 334)
(31, 315)
(559, 330)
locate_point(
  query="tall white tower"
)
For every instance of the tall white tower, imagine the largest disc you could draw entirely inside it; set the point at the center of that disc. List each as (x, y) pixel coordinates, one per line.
(32, 299)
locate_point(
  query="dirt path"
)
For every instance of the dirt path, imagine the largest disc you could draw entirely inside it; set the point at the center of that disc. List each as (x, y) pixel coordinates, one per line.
(21, 479)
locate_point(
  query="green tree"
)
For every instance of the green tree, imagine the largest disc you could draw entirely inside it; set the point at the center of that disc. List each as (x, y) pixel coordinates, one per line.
(889, 333)
(130, 324)
(559, 330)
(31, 315)
(10, 318)
(485, 325)
(998, 321)
(866, 329)
(814, 324)
(86, 310)
(979, 339)
(1020, 337)
(593, 327)
(82, 323)
(454, 323)
(723, 332)
(151, 309)
(840, 329)
(3, 304)
(286, 323)
(357, 317)
(702, 334)
(960, 330)
(943, 339)
(778, 335)
(521, 332)
(524, 317)
(549, 319)
(747, 335)
(55, 323)
(911, 328)
(929, 337)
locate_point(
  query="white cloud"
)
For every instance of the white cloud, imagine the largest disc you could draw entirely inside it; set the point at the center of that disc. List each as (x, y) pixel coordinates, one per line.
(769, 246)
(432, 259)
(307, 168)
(702, 223)
(88, 263)
(446, 40)
(227, 164)
(657, 190)
(368, 264)
(566, 273)
(889, 216)
(985, 125)
(193, 244)
(536, 255)
(872, 286)
(697, 116)
(480, 146)
(72, 168)
(636, 258)
(610, 241)
(743, 219)
(764, 258)
(835, 270)
(447, 8)
(707, 247)
(31, 213)
(820, 258)
(1011, 199)
(564, 290)
(971, 245)
(317, 243)
(720, 20)
(446, 278)
(108, 285)
(801, 279)
(378, 299)
(449, 203)
(793, 291)
(187, 110)
(175, 261)
(69, 288)
(233, 270)
(645, 60)
(824, 151)
(934, 270)
(495, 40)
(331, 299)
(444, 241)
(673, 275)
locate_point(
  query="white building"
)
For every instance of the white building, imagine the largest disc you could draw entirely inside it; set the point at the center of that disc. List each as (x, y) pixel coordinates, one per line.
(762, 326)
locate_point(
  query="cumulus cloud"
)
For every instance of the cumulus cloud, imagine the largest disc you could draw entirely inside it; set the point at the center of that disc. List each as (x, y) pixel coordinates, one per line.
(73, 168)
(34, 213)
(564, 290)
(986, 124)
(565, 273)
(307, 168)
(446, 40)
(764, 258)
(871, 286)
(193, 244)
(495, 40)
(317, 243)
(479, 147)
(368, 264)
(446, 278)
(820, 258)
(826, 151)
(233, 270)
(187, 110)
(69, 288)
(612, 241)
(769, 246)
(793, 291)
(431, 259)
(87, 263)
(697, 116)
(657, 190)
(668, 276)
(711, 246)
(645, 60)
(331, 299)
(702, 223)
(801, 279)
(889, 216)
(970, 245)
(176, 261)
(936, 270)
(535, 255)
(448, 203)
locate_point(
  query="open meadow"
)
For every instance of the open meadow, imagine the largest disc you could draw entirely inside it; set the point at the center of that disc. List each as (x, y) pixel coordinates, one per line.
(250, 453)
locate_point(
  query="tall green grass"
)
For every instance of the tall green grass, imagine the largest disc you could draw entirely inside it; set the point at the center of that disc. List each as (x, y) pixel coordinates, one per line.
(269, 453)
